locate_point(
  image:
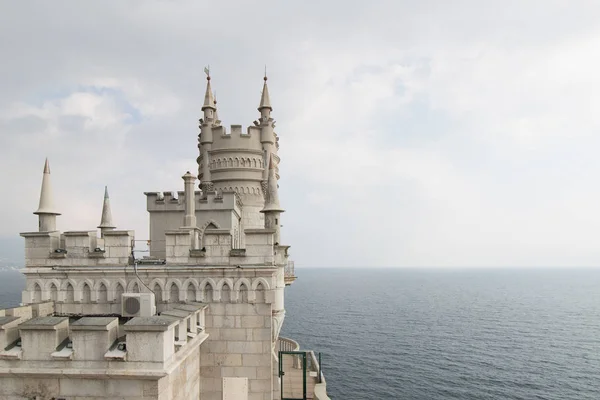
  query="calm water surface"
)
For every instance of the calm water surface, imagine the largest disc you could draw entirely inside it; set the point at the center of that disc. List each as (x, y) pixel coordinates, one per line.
(451, 334)
(443, 334)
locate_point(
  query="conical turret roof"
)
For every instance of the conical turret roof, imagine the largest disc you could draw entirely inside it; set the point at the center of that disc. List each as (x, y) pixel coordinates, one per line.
(265, 100)
(46, 205)
(209, 100)
(106, 220)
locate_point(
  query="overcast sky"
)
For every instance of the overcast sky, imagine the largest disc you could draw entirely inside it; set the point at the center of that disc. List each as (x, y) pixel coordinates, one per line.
(413, 133)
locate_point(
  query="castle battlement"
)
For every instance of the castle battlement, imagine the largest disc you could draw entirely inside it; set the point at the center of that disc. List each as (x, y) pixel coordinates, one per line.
(197, 314)
(80, 248)
(99, 342)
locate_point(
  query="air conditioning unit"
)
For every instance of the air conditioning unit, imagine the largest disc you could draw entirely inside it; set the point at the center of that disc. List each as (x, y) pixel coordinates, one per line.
(138, 305)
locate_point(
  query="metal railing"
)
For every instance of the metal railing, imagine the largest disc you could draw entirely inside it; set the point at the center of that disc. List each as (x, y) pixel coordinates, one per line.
(290, 269)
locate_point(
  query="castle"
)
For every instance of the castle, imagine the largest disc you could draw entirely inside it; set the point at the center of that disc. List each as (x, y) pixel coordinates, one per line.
(199, 317)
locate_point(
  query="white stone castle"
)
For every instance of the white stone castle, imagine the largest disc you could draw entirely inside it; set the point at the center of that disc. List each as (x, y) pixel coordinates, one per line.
(198, 317)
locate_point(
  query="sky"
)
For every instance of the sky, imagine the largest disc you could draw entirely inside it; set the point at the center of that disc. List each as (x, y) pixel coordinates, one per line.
(413, 134)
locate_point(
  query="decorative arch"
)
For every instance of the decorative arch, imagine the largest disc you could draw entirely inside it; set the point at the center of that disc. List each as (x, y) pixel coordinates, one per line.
(64, 283)
(240, 282)
(49, 283)
(101, 292)
(237, 162)
(131, 285)
(118, 288)
(262, 280)
(169, 290)
(241, 290)
(86, 293)
(158, 288)
(36, 292)
(51, 289)
(207, 225)
(225, 281)
(230, 162)
(207, 290)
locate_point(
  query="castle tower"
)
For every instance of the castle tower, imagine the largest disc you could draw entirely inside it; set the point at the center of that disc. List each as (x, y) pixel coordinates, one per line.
(46, 212)
(272, 208)
(106, 223)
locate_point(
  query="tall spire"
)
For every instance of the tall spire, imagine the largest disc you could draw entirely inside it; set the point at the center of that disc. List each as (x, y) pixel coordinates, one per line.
(46, 211)
(106, 223)
(272, 197)
(209, 101)
(265, 100)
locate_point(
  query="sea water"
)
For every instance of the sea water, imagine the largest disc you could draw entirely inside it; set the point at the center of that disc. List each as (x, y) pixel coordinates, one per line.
(442, 334)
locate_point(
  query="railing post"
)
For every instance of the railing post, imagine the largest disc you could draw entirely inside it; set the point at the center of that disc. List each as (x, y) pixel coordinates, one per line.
(319, 368)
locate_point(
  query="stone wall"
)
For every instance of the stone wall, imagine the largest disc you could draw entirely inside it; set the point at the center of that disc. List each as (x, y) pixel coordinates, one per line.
(22, 388)
(239, 345)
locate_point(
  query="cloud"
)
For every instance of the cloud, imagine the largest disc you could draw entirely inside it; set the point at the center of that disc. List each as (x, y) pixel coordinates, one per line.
(412, 134)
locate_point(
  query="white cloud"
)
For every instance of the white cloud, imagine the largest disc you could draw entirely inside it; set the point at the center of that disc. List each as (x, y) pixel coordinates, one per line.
(429, 133)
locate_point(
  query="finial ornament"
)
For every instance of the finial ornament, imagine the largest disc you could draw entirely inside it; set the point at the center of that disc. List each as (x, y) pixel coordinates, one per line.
(265, 78)
(207, 72)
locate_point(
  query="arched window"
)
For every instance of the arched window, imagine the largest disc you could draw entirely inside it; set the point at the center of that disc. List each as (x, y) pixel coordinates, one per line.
(225, 293)
(70, 294)
(102, 294)
(243, 296)
(157, 293)
(119, 292)
(260, 293)
(53, 292)
(174, 293)
(191, 292)
(135, 288)
(37, 293)
(86, 295)
(208, 293)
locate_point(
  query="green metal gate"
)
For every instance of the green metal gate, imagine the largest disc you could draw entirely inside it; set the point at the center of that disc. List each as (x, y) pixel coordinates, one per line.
(291, 363)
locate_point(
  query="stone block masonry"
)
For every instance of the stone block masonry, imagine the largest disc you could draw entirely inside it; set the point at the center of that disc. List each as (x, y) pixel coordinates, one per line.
(239, 346)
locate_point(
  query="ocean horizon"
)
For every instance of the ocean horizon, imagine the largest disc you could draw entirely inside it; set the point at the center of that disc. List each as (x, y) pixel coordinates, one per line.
(442, 333)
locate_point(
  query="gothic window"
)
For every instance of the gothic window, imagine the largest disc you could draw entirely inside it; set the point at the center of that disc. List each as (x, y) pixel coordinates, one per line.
(119, 292)
(243, 296)
(157, 293)
(53, 292)
(70, 293)
(102, 294)
(86, 296)
(260, 293)
(174, 293)
(37, 293)
(191, 292)
(225, 293)
(208, 293)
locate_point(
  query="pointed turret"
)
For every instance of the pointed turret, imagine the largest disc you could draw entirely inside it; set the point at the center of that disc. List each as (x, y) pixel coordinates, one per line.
(46, 211)
(106, 223)
(265, 100)
(209, 100)
(272, 209)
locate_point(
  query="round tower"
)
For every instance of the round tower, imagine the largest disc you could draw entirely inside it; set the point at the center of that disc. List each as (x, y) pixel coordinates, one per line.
(238, 161)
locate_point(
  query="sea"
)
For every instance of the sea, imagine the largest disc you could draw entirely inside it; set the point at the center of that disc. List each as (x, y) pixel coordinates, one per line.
(442, 333)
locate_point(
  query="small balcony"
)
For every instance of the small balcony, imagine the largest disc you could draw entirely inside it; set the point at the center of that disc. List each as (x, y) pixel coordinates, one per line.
(290, 273)
(300, 375)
